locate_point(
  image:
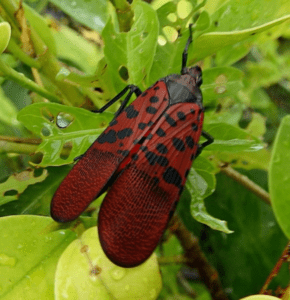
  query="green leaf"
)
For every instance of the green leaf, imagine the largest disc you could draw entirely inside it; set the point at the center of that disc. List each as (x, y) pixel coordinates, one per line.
(201, 183)
(247, 160)
(98, 278)
(17, 183)
(232, 139)
(5, 33)
(202, 22)
(131, 53)
(84, 57)
(36, 198)
(221, 82)
(209, 43)
(279, 176)
(28, 257)
(40, 25)
(67, 132)
(8, 112)
(93, 14)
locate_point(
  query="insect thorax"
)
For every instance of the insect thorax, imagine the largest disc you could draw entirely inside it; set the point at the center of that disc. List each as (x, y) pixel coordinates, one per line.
(185, 87)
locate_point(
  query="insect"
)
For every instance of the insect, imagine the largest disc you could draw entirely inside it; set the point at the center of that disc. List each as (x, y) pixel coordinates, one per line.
(142, 159)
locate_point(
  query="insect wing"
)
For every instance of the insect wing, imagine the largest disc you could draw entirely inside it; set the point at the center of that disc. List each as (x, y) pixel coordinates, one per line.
(137, 208)
(91, 174)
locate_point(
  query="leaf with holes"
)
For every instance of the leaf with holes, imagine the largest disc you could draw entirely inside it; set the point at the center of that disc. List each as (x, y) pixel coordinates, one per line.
(66, 132)
(17, 183)
(135, 48)
(221, 82)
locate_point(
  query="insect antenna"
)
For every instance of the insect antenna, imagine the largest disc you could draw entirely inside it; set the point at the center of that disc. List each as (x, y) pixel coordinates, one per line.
(185, 51)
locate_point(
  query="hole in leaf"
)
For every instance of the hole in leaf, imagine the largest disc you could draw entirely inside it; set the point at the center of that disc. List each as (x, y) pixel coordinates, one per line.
(11, 193)
(172, 17)
(170, 33)
(99, 90)
(144, 35)
(63, 120)
(184, 8)
(45, 131)
(47, 114)
(66, 150)
(161, 40)
(37, 158)
(37, 172)
(123, 71)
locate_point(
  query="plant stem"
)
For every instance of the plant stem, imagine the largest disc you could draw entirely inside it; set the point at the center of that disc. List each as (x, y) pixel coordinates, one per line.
(19, 148)
(283, 258)
(196, 259)
(33, 141)
(26, 82)
(246, 182)
(124, 13)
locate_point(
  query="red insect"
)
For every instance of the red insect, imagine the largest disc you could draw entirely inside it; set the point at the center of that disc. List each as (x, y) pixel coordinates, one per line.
(142, 159)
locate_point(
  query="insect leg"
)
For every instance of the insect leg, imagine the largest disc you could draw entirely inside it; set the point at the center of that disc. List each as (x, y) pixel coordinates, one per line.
(185, 51)
(79, 157)
(131, 87)
(210, 140)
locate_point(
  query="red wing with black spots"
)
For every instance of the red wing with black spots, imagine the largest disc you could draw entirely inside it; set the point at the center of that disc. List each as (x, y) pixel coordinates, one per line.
(91, 174)
(137, 208)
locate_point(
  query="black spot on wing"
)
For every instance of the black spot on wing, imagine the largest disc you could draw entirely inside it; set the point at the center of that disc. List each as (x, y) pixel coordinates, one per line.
(135, 156)
(169, 120)
(160, 132)
(172, 176)
(156, 88)
(141, 126)
(189, 141)
(109, 137)
(154, 158)
(161, 148)
(149, 136)
(124, 133)
(144, 94)
(150, 123)
(123, 152)
(194, 127)
(178, 144)
(114, 122)
(154, 99)
(143, 148)
(151, 110)
(155, 180)
(192, 111)
(181, 116)
(131, 112)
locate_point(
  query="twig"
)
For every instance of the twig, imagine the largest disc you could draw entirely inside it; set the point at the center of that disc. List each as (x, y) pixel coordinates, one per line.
(15, 139)
(284, 257)
(246, 182)
(196, 259)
